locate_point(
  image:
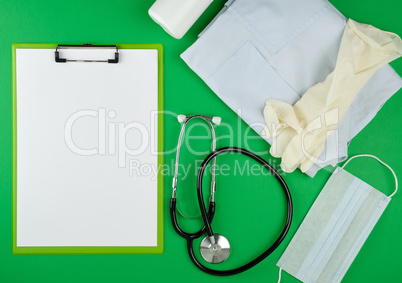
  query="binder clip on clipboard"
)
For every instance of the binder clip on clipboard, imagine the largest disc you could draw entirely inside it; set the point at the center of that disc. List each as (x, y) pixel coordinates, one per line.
(95, 57)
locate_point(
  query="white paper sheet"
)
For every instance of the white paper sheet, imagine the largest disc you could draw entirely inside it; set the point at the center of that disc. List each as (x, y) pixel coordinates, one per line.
(78, 189)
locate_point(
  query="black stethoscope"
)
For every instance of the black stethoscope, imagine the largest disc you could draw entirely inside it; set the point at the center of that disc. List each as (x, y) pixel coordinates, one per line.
(215, 248)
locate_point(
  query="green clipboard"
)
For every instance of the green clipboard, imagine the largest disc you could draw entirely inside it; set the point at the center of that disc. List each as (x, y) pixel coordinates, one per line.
(89, 249)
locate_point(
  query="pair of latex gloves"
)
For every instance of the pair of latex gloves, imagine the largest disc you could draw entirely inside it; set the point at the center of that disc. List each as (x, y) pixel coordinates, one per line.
(301, 130)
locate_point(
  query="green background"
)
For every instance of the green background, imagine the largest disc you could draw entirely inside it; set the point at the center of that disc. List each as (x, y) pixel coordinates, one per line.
(127, 21)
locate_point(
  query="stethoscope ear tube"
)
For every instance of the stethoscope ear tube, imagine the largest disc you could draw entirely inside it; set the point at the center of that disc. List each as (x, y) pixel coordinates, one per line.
(185, 120)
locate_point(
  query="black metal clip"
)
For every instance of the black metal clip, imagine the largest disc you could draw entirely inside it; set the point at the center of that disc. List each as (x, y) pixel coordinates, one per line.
(87, 45)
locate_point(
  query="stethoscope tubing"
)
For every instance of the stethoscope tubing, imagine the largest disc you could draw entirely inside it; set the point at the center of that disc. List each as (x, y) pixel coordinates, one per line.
(253, 156)
(176, 226)
(208, 216)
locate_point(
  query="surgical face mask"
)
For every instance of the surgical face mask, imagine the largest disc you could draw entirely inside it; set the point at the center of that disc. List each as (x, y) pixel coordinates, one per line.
(335, 228)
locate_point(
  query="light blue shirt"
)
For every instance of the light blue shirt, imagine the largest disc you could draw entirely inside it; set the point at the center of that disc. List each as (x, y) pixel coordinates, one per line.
(277, 49)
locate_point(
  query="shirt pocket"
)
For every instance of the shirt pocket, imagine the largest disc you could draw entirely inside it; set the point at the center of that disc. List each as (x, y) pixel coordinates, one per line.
(276, 22)
(246, 80)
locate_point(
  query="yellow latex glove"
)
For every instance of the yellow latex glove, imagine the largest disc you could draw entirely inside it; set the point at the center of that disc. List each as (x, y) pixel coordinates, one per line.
(301, 130)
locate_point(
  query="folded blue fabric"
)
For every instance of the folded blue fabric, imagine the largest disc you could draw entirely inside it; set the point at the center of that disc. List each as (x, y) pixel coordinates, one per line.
(263, 49)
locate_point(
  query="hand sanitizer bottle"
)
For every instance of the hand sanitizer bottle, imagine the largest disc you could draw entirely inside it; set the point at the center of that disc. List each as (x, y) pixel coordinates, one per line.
(177, 16)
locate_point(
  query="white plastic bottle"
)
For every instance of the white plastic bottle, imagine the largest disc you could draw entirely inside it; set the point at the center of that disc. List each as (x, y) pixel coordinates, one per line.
(177, 16)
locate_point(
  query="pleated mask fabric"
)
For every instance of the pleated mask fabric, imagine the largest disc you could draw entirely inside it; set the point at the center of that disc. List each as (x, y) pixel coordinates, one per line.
(335, 228)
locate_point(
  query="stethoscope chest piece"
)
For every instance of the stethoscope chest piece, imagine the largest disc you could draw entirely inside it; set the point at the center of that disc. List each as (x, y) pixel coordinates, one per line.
(215, 249)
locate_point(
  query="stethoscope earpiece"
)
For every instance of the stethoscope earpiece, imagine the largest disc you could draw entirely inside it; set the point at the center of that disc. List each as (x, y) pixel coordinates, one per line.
(216, 120)
(181, 118)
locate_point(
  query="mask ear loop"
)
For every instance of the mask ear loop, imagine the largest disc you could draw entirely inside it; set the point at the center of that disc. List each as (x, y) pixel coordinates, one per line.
(280, 275)
(383, 163)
